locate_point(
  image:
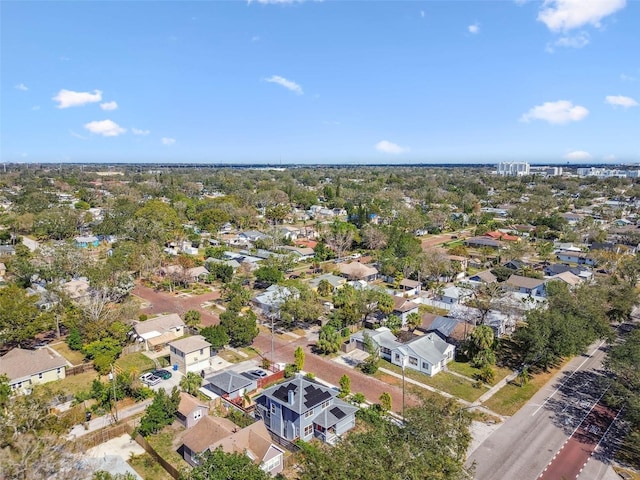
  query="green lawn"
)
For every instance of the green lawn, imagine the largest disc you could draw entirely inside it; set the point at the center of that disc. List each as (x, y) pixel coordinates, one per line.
(73, 384)
(464, 368)
(73, 356)
(165, 444)
(452, 384)
(147, 467)
(137, 362)
(510, 398)
(233, 357)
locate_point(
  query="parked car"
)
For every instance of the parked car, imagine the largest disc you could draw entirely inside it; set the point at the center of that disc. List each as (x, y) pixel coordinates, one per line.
(256, 374)
(150, 379)
(163, 374)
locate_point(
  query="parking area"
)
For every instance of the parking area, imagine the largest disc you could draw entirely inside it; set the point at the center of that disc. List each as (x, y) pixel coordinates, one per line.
(352, 359)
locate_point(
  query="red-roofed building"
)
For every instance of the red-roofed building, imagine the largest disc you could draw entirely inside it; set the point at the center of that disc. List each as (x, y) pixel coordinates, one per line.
(502, 236)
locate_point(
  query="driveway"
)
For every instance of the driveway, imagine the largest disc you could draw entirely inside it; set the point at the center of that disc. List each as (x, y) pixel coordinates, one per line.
(164, 302)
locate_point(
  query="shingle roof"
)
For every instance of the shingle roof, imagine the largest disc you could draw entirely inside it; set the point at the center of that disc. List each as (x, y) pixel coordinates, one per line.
(19, 363)
(401, 304)
(306, 394)
(229, 381)
(524, 282)
(190, 344)
(208, 431)
(161, 324)
(188, 404)
(429, 347)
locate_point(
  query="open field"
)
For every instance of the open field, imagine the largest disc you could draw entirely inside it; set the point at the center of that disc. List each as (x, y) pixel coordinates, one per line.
(465, 368)
(76, 383)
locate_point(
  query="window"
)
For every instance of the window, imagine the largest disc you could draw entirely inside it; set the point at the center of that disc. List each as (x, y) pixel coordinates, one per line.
(202, 351)
(308, 430)
(59, 370)
(425, 365)
(319, 428)
(397, 357)
(325, 404)
(197, 414)
(413, 361)
(271, 464)
(40, 375)
(308, 413)
(273, 408)
(385, 350)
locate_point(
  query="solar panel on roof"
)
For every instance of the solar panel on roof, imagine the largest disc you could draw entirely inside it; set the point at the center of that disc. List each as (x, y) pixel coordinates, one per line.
(282, 392)
(314, 396)
(337, 413)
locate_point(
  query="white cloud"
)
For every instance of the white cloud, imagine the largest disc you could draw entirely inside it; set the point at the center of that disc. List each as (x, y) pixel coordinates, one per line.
(573, 41)
(138, 131)
(609, 158)
(69, 98)
(109, 106)
(577, 155)
(21, 86)
(168, 141)
(620, 101)
(106, 128)
(565, 15)
(288, 84)
(389, 147)
(627, 78)
(562, 111)
(475, 28)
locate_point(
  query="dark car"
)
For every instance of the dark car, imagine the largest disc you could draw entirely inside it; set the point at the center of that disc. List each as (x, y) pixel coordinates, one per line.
(163, 374)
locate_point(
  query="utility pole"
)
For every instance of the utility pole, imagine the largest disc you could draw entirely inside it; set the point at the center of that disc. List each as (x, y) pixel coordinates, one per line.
(115, 398)
(403, 362)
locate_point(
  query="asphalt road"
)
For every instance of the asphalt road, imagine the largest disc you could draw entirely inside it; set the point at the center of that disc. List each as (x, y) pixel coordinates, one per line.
(526, 443)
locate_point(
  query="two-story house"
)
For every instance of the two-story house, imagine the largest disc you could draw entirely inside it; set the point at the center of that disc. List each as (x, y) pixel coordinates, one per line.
(302, 409)
(530, 286)
(190, 354)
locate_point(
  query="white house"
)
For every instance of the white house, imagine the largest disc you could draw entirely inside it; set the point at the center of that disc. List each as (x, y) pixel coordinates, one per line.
(427, 354)
(190, 354)
(159, 330)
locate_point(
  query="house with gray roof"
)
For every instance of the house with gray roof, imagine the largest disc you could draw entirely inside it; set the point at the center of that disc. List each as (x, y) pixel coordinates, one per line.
(530, 286)
(427, 354)
(482, 277)
(230, 385)
(334, 280)
(190, 354)
(381, 337)
(303, 409)
(272, 298)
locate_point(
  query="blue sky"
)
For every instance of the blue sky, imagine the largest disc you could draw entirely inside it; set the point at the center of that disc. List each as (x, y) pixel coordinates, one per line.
(320, 82)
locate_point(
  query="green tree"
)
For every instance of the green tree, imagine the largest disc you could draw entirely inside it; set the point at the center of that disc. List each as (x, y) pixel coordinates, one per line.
(191, 383)
(241, 327)
(5, 391)
(103, 353)
(345, 385)
(218, 465)
(413, 321)
(299, 358)
(480, 346)
(269, 275)
(324, 288)
(393, 323)
(622, 362)
(20, 319)
(385, 401)
(74, 339)
(192, 318)
(329, 340)
(216, 335)
(160, 413)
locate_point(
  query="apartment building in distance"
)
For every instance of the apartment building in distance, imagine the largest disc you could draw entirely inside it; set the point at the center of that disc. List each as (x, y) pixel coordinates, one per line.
(513, 169)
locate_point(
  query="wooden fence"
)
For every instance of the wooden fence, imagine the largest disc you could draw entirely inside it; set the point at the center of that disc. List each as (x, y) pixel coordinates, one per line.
(170, 469)
(104, 435)
(84, 367)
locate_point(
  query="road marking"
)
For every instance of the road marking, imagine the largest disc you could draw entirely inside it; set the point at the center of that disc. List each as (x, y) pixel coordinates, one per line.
(568, 378)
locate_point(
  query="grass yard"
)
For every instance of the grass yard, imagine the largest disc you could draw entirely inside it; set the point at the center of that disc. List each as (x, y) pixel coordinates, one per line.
(165, 444)
(233, 357)
(76, 383)
(137, 362)
(452, 384)
(510, 398)
(464, 368)
(147, 467)
(73, 356)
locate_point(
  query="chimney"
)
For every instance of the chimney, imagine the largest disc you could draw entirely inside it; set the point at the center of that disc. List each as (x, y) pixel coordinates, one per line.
(291, 396)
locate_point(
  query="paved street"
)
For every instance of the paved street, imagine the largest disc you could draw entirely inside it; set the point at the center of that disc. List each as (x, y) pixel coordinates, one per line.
(526, 443)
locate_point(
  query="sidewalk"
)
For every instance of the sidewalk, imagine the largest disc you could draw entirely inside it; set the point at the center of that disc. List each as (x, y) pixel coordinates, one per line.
(101, 422)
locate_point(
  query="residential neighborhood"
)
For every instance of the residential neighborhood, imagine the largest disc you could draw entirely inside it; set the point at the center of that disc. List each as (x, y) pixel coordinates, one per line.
(210, 320)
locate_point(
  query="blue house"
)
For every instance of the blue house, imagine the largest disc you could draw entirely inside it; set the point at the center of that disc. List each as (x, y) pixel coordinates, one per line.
(302, 409)
(88, 241)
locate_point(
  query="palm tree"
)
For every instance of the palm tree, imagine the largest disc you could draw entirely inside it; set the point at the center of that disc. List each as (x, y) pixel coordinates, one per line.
(190, 383)
(413, 321)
